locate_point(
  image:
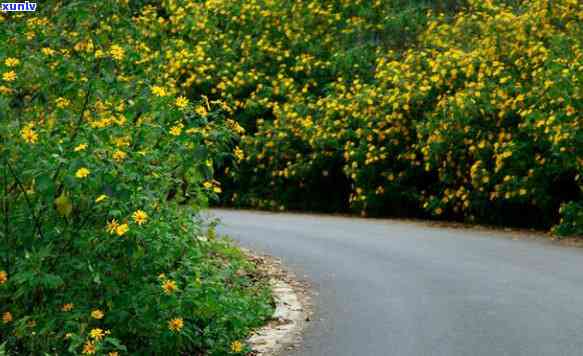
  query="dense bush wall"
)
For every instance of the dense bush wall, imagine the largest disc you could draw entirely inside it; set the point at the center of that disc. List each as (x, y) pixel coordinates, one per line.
(477, 118)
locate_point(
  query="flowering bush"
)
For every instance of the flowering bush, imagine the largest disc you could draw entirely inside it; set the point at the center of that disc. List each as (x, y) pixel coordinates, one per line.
(483, 122)
(102, 164)
(470, 112)
(263, 58)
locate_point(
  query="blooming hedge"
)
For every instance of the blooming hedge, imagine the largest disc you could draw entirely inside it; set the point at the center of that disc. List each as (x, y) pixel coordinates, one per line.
(465, 110)
(103, 163)
(482, 122)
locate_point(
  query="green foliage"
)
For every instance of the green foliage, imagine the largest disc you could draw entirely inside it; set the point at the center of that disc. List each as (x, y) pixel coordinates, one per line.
(102, 166)
(571, 221)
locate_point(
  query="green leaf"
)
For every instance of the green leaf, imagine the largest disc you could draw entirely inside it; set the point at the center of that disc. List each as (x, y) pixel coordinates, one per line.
(63, 205)
(45, 185)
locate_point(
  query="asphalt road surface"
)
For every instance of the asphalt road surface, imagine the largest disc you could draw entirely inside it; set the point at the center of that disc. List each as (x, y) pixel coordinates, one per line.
(398, 288)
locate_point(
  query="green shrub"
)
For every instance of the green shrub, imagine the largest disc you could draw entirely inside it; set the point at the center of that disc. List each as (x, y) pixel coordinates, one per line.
(102, 166)
(571, 221)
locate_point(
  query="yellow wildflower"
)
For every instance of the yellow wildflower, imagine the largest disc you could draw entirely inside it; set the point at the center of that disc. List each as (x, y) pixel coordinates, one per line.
(119, 155)
(7, 317)
(97, 334)
(112, 226)
(202, 111)
(182, 102)
(117, 52)
(3, 277)
(237, 346)
(68, 307)
(159, 91)
(81, 147)
(82, 173)
(176, 130)
(121, 120)
(48, 51)
(239, 154)
(11, 62)
(97, 314)
(140, 217)
(62, 102)
(122, 229)
(28, 133)
(123, 141)
(169, 286)
(176, 324)
(89, 348)
(9, 76)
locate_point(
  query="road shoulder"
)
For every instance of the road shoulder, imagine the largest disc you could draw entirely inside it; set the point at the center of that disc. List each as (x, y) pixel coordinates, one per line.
(293, 311)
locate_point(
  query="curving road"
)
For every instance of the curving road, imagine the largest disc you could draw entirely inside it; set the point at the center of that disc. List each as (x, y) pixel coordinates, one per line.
(396, 288)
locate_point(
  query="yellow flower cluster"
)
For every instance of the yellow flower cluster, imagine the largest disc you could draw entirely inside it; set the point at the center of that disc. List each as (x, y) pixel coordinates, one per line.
(113, 226)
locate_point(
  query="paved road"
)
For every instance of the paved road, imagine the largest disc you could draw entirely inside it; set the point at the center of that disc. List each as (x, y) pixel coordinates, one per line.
(397, 288)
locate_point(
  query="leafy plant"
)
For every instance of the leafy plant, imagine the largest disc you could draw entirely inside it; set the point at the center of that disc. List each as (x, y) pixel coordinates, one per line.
(102, 166)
